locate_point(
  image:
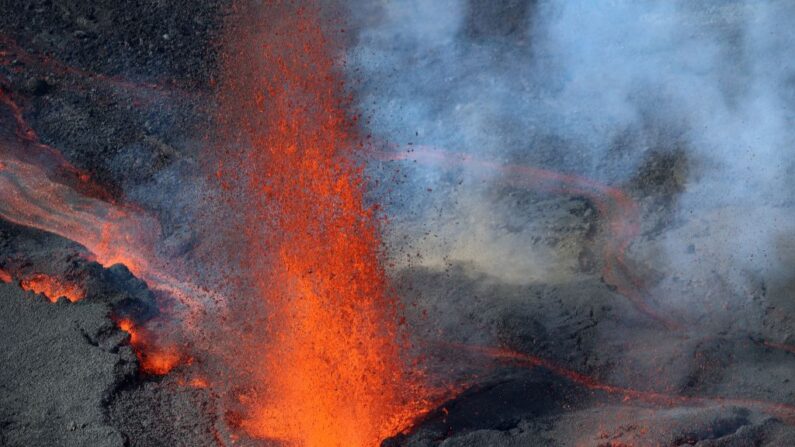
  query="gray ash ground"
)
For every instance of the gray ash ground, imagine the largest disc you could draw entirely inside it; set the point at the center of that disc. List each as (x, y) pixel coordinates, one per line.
(68, 375)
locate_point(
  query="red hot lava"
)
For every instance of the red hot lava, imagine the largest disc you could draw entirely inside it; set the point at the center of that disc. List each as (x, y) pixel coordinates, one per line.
(41, 189)
(332, 366)
(332, 370)
(156, 359)
(52, 287)
(5, 277)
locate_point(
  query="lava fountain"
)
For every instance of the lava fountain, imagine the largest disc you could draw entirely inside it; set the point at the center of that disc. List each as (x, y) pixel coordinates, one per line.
(330, 361)
(333, 371)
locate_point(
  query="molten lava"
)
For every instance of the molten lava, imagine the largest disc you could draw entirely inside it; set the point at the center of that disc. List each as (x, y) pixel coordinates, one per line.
(155, 359)
(785, 412)
(41, 189)
(52, 287)
(331, 363)
(332, 372)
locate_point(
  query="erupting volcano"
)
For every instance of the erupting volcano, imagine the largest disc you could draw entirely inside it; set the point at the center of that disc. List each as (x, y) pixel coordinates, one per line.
(333, 365)
(420, 224)
(52, 288)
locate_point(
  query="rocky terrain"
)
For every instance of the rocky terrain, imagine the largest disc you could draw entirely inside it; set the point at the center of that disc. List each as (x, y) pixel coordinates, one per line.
(517, 291)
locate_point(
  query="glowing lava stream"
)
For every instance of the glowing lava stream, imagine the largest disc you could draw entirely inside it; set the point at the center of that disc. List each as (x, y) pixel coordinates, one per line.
(40, 189)
(783, 411)
(612, 204)
(337, 373)
(51, 287)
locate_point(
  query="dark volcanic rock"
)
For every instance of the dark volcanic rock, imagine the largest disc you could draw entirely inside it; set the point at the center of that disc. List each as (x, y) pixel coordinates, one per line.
(68, 375)
(163, 413)
(146, 39)
(59, 363)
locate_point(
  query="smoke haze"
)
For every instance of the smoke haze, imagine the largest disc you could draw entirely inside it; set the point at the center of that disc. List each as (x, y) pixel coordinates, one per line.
(591, 88)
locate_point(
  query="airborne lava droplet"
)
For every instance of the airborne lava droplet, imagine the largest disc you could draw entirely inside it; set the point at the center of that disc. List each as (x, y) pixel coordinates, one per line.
(331, 370)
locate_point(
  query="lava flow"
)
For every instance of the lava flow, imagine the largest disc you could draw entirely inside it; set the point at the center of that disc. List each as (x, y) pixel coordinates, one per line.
(153, 358)
(5, 277)
(41, 189)
(333, 372)
(52, 287)
(614, 205)
(783, 411)
(17, 59)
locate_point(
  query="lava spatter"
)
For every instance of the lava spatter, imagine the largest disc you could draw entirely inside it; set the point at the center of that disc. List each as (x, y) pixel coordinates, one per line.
(154, 358)
(331, 365)
(52, 287)
(5, 277)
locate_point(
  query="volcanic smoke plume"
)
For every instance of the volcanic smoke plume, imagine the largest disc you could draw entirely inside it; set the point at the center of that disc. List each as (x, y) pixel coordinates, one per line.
(407, 223)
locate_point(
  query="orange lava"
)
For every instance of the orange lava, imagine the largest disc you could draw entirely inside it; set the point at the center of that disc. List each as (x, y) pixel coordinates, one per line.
(41, 189)
(332, 372)
(52, 287)
(785, 412)
(153, 359)
(198, 382)
(5, 277)
(29, 149)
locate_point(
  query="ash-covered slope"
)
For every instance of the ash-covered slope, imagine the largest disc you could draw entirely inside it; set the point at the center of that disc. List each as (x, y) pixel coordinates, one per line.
(122, 92)
(68, 374)
(59, 364)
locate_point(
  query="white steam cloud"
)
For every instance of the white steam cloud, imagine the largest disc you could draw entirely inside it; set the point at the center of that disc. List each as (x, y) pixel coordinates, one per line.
(591, 88)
